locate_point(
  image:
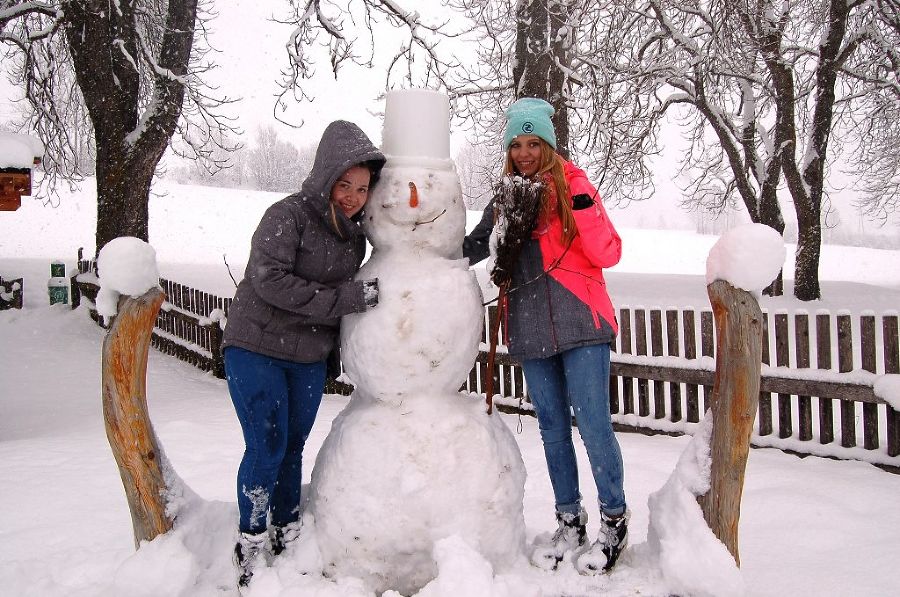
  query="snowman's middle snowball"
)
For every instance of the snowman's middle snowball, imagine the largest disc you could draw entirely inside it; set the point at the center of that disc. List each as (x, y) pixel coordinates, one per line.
(409, 343)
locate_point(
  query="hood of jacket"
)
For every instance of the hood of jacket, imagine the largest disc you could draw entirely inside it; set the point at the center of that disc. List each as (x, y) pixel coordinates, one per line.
(343, 145)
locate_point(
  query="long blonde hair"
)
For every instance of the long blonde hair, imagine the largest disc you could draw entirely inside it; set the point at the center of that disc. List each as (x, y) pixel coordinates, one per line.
(552, 163)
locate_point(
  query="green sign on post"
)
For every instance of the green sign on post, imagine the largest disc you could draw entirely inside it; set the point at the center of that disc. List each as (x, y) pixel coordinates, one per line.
(58, 285)
(57, 269)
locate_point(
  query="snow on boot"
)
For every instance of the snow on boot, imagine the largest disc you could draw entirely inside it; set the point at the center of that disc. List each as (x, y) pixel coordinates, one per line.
(283, 536)
(247, 553)
(569, 536)
(605, 552)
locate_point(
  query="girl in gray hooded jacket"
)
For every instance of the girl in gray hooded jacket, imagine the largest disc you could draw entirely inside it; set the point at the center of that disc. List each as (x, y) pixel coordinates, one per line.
(284, 322)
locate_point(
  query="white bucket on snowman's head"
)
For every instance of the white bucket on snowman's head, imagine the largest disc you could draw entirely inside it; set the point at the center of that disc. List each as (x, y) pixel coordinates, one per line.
(417, 128)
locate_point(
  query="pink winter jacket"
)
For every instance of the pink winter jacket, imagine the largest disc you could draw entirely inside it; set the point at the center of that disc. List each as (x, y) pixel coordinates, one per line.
(597, 246)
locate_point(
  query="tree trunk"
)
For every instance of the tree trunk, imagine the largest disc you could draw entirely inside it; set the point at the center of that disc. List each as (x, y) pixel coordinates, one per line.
(762, 207)
(541, 46)
(734, 403)
(809, 247)
(105, 49)
(770, 211)
(809, 205)
(770, 215)
(128, 427)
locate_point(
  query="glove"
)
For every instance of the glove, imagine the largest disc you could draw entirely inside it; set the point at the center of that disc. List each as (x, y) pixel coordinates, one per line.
(370, 292)
(333, 364)
(581, 201)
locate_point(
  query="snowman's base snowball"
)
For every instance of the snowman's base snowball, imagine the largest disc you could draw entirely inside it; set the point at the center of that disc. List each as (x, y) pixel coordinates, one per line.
(391, 480)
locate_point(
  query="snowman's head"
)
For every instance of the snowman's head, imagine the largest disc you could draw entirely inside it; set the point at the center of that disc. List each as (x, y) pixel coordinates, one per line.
(417, 208)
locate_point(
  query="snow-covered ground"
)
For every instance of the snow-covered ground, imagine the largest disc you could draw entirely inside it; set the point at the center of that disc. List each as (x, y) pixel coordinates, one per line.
(808, 527)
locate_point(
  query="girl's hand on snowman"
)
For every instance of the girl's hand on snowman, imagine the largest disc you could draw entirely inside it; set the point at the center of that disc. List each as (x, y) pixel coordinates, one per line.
(370, 292)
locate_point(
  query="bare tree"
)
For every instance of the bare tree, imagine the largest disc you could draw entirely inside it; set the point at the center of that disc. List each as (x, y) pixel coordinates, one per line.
(771, 82)
(827, 61)
(660, 56)
(226, 165)
(276, 165)
(506, 49)
(477, 165)
(765, 85)
(136, 66)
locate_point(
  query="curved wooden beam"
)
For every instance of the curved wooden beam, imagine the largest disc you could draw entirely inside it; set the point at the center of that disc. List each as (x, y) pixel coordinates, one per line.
(128, 426)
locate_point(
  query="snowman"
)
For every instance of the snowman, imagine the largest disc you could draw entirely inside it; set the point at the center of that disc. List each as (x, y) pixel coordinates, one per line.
(411, 461)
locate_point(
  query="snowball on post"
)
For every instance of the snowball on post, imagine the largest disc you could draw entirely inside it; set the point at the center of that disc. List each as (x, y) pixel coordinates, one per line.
(747, 257)
(125, 265)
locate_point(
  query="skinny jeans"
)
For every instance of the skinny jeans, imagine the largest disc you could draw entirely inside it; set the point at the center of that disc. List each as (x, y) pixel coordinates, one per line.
(577, 381)
(276, 402)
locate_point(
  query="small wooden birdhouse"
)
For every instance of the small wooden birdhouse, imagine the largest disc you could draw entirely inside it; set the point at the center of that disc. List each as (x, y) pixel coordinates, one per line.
(18, 155)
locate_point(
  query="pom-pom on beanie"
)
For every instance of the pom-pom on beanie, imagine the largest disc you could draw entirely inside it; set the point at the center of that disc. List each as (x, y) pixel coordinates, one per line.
(529, 116)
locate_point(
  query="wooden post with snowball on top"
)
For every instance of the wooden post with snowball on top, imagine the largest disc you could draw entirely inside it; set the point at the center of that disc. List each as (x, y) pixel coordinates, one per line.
(129, 293)
(739, 266)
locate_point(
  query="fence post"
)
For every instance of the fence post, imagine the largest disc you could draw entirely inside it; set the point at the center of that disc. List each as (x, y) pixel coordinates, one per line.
(128, 427)
(735, 397)
(889, 326)
(215, 347)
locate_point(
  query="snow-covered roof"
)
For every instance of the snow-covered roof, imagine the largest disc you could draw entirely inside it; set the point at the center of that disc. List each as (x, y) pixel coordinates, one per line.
(19, 151)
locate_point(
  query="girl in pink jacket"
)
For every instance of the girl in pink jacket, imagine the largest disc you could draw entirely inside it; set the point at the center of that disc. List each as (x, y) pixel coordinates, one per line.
(560, 325)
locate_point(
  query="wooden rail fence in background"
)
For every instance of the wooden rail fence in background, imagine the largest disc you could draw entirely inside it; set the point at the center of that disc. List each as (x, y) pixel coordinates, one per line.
(188, 325)
(816, 392)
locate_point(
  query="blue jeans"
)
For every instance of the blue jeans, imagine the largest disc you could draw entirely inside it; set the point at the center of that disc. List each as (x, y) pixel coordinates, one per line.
(276, 403)
(577, 379)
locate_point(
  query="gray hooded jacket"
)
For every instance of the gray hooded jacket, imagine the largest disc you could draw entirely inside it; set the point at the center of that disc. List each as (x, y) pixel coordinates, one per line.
(304, 253)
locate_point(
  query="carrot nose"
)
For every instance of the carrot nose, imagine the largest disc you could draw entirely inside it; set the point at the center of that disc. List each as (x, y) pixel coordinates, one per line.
(413, 195)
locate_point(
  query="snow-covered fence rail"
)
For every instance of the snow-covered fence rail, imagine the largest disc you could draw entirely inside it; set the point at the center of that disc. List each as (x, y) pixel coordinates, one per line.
(816, 392)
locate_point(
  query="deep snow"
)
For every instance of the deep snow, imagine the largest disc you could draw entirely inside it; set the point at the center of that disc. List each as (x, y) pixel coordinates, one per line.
(809, 526)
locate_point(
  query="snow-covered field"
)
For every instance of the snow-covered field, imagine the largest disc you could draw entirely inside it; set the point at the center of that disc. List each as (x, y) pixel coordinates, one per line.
(808, 527)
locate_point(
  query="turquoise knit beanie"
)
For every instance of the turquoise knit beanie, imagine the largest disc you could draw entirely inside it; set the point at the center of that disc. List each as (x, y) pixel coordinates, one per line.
(529, 116)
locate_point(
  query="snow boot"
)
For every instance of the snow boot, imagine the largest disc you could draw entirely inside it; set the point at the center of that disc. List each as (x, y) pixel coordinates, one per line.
(570, 535)
(247, 554)
(605, 552)
(282, 537)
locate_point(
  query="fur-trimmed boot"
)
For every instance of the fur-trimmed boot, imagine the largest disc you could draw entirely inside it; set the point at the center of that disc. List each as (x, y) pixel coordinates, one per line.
(605, 552)
(283, 536)
(570, 536)
(248, 552)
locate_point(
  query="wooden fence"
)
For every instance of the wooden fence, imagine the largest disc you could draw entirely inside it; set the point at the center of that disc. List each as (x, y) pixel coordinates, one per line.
(816, 394)
(189, 324)
(11, 293)
(816, 389)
